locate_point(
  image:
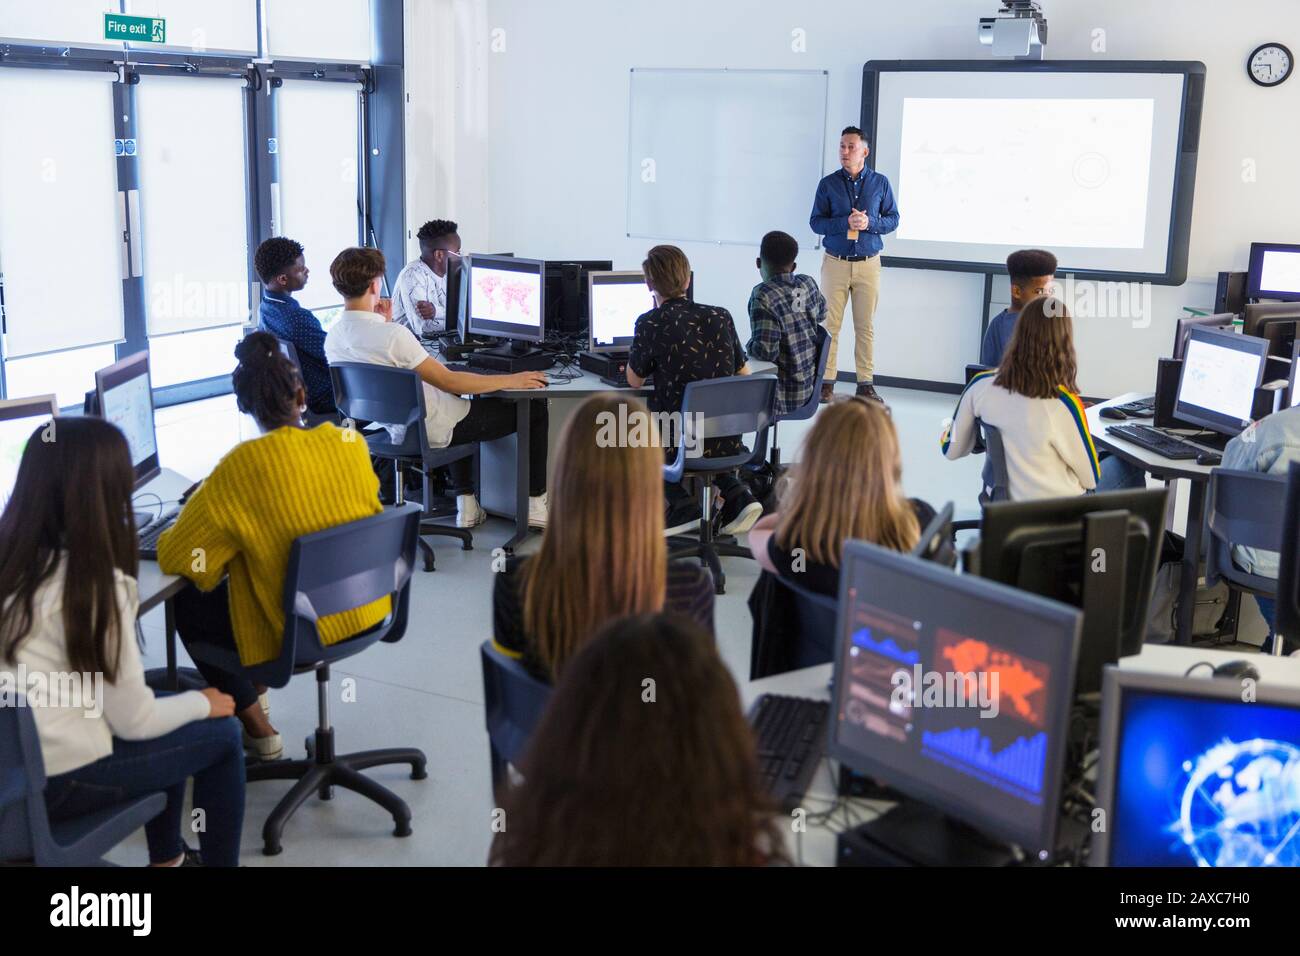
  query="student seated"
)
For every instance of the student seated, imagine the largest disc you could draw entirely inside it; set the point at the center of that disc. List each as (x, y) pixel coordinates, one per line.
(233, 536)
(1032, 273)
(365, 333)
(785, 311)
(1032, 398)
(679, 342)
(68, 593)
(280, 265)
(420, 295)
(607, 527)
(616, 777)
(1270, 445)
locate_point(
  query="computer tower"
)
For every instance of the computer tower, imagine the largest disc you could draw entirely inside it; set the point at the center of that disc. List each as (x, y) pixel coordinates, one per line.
(1168, 372)
(1231, 293)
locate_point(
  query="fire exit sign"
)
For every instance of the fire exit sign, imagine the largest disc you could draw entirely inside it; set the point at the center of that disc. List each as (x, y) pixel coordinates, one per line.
(119, 26)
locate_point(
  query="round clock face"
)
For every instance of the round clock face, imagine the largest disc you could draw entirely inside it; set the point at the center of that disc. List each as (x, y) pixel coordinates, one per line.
(1270, 64)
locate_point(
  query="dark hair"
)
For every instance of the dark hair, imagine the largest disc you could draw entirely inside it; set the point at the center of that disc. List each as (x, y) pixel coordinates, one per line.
(853, 131)
(779, 249)
(1040, 356)
(353, 270)
(1026, 264)
(274, 256)
(72, 501)
(433, 230)
(266, 383)
(613, 777)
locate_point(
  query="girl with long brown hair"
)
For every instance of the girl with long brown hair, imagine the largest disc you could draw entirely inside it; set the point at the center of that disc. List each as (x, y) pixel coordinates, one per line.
(642, 758)
(68, 604)
(603, 554)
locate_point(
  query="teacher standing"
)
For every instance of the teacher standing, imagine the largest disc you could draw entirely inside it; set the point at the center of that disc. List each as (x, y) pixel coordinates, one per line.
(853, 209)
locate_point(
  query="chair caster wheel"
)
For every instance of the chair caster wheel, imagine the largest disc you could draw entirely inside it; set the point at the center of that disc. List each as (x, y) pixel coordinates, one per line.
(402, 830)
(272, 850)
(428, 562)
(419, 773)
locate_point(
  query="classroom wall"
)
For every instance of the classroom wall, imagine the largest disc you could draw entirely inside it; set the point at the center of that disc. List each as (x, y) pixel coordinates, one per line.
(520, 111)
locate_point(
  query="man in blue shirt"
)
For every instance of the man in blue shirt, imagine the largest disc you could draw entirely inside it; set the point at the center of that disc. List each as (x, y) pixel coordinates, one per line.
(1032, 273)
(853, 208)
(280, 265)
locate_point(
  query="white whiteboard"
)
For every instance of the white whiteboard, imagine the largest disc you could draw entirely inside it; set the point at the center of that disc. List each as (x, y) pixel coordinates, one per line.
(724, 155)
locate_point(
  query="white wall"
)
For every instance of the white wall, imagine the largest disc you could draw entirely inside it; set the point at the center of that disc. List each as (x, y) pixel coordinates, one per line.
(548, 179)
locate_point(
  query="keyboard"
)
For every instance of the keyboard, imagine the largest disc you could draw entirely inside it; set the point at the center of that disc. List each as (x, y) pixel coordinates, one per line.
(149, 534)
(1142, 408)
(791, 733)
(1152, 439)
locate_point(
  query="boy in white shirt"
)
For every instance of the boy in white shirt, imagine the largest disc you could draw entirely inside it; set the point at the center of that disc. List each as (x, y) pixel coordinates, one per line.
(365, 332)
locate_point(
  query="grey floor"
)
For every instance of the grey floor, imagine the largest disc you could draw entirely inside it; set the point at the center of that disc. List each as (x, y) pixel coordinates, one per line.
(426, 691)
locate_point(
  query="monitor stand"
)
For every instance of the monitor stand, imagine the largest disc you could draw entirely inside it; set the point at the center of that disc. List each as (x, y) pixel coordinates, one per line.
(913, 834)
(512, 357)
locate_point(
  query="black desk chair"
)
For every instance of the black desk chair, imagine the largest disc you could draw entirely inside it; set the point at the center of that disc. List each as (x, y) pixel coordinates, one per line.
(378, 393)
(310, 418)
(999, 487)
(25, 829)
(1243, 512)
(718, 408)
(513, 704)
(809, 408)
(331, 571)
(1288, 573)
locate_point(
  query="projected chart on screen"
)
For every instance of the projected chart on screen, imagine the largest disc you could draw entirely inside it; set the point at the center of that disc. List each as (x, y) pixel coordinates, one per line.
(502, 296)
(884, 649)
(1017, 767)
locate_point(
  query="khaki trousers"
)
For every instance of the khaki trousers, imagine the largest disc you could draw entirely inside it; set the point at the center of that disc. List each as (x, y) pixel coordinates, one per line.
(859, 281)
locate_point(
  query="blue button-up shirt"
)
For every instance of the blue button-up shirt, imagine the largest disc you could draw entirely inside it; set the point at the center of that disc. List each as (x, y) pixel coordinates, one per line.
(283, 317)
(834, 202)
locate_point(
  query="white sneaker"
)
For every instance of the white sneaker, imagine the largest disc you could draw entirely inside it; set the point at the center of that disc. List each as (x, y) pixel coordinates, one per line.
(745, 519)
(264, 748)
(537, 508)
(468, 512)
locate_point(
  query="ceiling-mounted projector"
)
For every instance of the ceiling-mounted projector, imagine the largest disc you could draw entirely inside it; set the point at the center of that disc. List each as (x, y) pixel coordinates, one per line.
(1019, 29)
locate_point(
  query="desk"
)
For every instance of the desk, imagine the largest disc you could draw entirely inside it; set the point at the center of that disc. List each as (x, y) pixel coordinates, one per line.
(155, 587)
(1165, 469)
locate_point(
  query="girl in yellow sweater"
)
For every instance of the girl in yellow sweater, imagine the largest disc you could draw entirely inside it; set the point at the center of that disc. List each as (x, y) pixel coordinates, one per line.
(233, 536)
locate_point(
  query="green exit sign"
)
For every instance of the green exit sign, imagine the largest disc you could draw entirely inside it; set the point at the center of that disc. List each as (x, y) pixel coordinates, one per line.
(119, 26)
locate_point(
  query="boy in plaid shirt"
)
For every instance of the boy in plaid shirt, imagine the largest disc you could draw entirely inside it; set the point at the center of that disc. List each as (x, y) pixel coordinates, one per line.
(784, 312)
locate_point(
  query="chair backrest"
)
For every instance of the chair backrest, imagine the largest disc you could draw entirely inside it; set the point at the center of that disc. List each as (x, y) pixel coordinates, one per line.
(721, 408)
(380, 393)
(23, 823)
(291, 353)
(936, 541)
(817, 615)
(1288, 575)
(513, 702)
(999, 482)
(809, 408)
(1244, 509)
(339, 569)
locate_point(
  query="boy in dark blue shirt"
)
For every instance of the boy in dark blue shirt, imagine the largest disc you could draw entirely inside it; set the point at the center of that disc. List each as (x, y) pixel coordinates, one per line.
(280, 265)
(1032, 272)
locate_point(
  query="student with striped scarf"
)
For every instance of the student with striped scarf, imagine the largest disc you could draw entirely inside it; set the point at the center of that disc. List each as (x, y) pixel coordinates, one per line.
(1032, 398)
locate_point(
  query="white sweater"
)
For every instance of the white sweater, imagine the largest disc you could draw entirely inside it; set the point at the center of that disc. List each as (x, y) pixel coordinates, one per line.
(1049, 451)
(73, 736)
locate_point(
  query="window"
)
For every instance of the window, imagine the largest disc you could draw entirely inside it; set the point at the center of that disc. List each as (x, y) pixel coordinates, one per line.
(317, 126)
(193, 356)
(319, 29)
(69, 375)
(61, 249)
(203, 26)
(79, 22)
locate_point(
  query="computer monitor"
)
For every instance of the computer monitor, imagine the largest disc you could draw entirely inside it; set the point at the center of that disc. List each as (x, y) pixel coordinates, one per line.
(1220, 320)
(1098, 553)
(1192, 774)
(506, 299)
(617, 300)
(1275, 321)
(1216, 387)
(997, 765)
(458, 291)
(1274, 271)
(19, 419)
(125, 398)
(567, 306)
(1293, 381)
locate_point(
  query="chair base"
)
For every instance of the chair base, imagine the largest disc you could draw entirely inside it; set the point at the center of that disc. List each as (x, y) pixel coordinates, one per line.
(323, 771)
(446, 531)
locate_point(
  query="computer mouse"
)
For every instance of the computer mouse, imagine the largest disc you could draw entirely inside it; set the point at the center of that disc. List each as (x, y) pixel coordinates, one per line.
(1209, 458)
(1111, 411)
(1237, 669)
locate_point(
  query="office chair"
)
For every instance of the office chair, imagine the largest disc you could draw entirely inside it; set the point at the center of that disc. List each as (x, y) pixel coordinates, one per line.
(330, 571)
(310, 418)
(378, 393)
(25, 829)
(513, 703)
(995, 478)
(1288, 573)
(1243, 512)
(815, 642)
(718, 408)
(809, 408)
